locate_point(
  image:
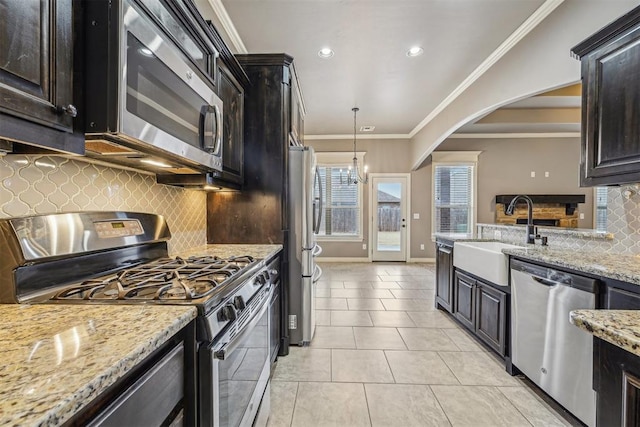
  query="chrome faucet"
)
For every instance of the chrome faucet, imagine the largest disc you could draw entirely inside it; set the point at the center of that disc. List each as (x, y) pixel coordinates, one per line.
(531, 233)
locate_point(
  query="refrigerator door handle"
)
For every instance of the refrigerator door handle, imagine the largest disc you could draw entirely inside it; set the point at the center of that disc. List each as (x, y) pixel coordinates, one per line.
(317, 207)
(316, 274)
(317, 250)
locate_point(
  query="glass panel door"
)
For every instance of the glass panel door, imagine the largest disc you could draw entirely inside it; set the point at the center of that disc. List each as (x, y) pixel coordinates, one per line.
(389, 218)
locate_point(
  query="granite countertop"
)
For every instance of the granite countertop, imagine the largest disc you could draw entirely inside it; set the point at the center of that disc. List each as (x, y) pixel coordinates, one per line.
(57, 358)
(623, 267)
(228, 250)
(618, 327)
(574, 232)
(457, 237)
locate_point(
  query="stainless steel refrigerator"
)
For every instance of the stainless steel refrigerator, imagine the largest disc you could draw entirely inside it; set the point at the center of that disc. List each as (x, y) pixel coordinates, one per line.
(305, 216)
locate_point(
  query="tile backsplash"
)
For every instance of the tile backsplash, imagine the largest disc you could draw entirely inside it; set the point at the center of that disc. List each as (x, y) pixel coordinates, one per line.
(47, 184)
(623, 218)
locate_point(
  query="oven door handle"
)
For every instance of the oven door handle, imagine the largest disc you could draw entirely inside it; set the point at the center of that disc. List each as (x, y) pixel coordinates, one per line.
(228, 348)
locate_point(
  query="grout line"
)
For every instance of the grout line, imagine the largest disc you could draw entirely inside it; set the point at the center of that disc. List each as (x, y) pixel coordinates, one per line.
(514, 406)
(366, 401)
(448, 367)
(440, 405)
(295, 402)
(389, 365)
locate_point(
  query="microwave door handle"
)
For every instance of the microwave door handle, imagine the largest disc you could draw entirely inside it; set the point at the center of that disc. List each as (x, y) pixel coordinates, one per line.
(226, 350)
(213, 146)
(219, 126)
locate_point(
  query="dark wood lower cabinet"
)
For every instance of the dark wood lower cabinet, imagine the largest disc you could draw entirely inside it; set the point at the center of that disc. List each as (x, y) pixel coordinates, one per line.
(617, 382)
(491, 317)
(482, 309)
(464, 300)
(444, 276)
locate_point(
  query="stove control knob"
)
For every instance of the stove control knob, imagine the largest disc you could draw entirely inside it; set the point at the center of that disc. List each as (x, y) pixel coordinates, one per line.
(227, 313)
(260, 280)
(273, 272)
(238, 302)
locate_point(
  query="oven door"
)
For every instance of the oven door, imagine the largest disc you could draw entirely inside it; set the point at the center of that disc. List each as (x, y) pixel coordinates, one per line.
(235, 372)
(163, 101)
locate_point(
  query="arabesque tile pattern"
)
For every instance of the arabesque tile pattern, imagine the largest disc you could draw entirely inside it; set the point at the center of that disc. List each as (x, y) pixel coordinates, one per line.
(34, 185)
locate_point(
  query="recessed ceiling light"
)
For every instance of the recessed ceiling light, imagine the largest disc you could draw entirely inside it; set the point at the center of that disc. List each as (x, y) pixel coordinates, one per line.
(325, 52)
(415, 51)
(367, 128)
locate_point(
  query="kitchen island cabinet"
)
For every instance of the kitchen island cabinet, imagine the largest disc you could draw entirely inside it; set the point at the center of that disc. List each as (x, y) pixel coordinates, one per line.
(444, 275)
(68, 363)
(481, 308)
(616, 363)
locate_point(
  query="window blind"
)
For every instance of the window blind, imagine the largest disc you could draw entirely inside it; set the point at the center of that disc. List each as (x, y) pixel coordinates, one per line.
(601, 209)
(342, 210)
(453, 191)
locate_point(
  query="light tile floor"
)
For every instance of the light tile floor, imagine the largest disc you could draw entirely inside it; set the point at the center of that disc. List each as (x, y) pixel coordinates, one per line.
(382, 355)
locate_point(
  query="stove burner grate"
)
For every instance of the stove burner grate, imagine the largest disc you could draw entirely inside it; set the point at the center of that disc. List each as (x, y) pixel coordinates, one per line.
(164, 279)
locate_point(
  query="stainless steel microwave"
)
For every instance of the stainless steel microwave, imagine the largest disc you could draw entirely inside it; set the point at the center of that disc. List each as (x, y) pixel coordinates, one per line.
(148, 105)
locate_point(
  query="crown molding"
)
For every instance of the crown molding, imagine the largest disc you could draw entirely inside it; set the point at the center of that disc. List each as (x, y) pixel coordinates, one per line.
(227, 24)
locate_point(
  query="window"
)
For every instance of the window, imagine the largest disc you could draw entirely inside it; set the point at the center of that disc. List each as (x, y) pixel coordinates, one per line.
(600, 219)
(342, 210)
(454, 192)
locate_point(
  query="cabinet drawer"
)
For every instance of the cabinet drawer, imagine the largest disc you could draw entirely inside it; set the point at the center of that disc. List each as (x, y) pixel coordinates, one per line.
(152, 398)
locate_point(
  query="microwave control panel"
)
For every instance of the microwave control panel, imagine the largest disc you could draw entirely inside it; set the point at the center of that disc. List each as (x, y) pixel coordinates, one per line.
(118, 228)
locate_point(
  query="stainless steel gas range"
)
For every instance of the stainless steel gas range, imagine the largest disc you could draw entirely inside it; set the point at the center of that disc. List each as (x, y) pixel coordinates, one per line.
(122, 258)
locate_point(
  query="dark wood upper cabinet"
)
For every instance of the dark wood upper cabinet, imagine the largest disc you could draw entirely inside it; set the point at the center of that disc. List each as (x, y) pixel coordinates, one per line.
(232, 95)
(37, 74)
(611, 103)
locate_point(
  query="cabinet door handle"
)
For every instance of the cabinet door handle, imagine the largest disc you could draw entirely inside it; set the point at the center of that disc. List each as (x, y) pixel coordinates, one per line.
(69, 110)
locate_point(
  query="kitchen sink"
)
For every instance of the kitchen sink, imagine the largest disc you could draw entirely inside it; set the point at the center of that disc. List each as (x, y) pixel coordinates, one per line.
(483, 259)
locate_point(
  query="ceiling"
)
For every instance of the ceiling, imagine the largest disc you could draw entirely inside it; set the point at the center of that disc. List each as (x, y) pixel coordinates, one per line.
(370, 68)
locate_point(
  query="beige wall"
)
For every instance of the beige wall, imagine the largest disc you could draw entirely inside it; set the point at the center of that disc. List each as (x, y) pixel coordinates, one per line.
(505, 166)
(385, 156)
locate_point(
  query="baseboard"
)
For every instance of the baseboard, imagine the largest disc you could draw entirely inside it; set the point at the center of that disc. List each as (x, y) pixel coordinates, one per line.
(429, 260)
(356, 259)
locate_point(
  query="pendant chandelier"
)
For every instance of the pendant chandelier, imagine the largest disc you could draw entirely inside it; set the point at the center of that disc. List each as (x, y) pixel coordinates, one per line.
(353, 173)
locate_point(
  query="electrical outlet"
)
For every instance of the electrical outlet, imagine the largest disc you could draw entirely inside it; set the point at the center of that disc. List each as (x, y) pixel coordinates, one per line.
(422, 246)
(416, 216)
(497, 234)
(581, 216)
(533, 174)
(546, 174)
(364, 246)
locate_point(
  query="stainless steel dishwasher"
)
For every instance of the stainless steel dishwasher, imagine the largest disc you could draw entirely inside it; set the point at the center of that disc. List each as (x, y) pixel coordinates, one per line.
(551, 352)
